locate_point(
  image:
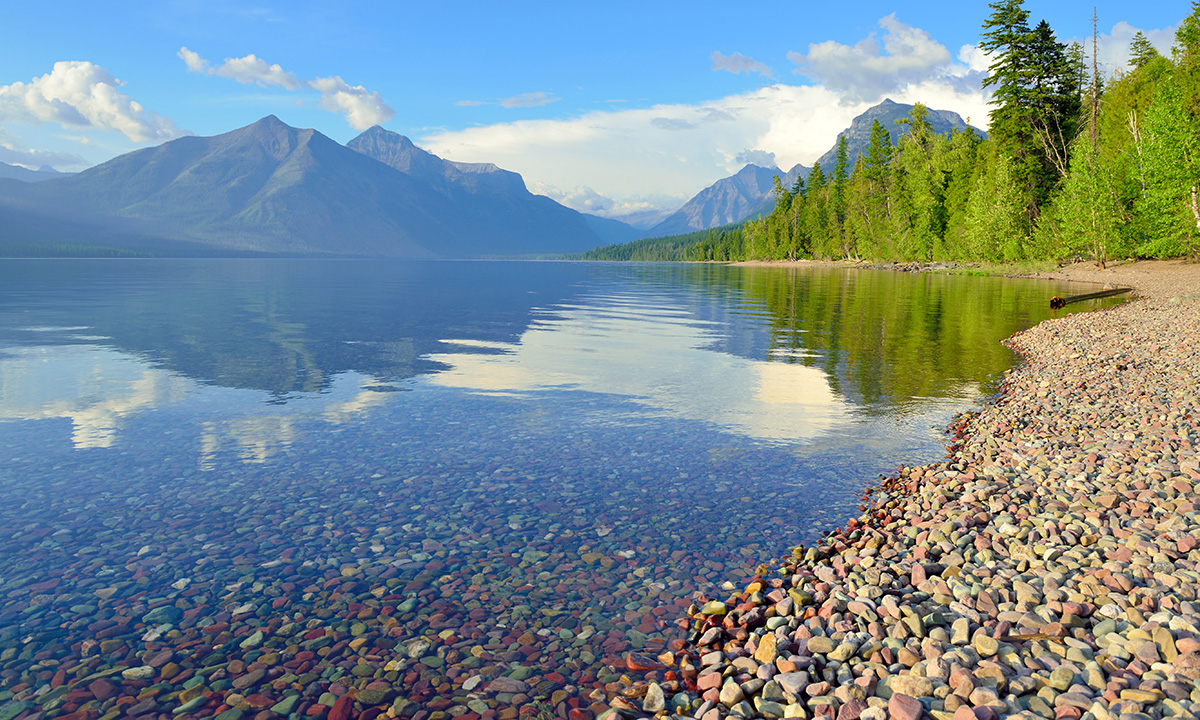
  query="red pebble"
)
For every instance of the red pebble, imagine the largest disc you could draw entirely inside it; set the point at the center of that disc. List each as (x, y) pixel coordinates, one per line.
(640, 663)
(342, 709)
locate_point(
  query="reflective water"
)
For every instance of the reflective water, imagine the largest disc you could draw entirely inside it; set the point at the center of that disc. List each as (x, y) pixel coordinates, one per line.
(473, 468)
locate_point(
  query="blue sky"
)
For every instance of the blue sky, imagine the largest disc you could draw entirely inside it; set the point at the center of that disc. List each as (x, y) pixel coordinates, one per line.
(621, 108)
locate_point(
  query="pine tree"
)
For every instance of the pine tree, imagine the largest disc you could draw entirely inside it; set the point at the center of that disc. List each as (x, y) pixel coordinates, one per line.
(1141, 52)
(1036, 99)
(840, 173)
(879, 151)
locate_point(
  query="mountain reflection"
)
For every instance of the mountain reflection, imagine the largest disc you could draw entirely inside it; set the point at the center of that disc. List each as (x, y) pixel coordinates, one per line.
(253, 351)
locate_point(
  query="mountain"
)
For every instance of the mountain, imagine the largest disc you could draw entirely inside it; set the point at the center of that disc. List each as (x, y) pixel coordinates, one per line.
(16, 172)
(491, 196)
(611, 231)
(726, 201)
(887, 113)
(748, 194)
(269, 188)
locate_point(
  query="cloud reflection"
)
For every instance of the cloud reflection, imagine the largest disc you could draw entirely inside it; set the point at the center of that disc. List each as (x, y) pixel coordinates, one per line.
(101, 391)
(651, 351)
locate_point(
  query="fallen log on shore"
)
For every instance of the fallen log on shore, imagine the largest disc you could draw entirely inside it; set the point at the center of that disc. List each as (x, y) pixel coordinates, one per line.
(1058, 302)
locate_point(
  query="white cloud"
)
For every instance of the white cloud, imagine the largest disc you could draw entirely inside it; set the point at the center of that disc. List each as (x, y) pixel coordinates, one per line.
(639, 211)
(251, 69)
(248, 70)
(525, 100)
(1113, 47)
(533, 99)
(80, 94)
(361, 107)
(194, 62)
(658, 153)
(13, 153)
(864, 71)
(738, 63)
(761, 158)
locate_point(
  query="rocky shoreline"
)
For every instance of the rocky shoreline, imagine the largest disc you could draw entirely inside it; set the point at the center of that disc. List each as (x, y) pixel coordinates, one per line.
(1049, 568)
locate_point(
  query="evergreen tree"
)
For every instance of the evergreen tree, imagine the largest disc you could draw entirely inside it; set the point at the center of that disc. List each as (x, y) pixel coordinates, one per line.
(962, 157)
(840, 173)
(1141, 52)
(879, 151)
(1036, 99)
(1056, 75)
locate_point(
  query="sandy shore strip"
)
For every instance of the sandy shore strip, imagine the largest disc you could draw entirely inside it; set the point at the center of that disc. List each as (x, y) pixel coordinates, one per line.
(1050, 567)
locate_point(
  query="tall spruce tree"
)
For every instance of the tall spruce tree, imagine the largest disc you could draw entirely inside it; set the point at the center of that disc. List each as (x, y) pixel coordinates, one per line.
(841, 171)
(1036, 99)
(1141, 52)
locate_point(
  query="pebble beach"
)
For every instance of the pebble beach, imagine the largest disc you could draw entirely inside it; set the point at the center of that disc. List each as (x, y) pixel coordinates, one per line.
(1048, 568)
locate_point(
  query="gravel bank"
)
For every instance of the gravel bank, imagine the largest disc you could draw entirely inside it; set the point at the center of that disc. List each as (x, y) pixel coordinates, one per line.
(1049, 568)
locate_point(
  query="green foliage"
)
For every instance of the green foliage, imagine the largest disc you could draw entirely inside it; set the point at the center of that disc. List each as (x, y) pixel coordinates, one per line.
(994, 222)
(1141, 52)
(1085, 217)
(673, 247)
(1170, 175)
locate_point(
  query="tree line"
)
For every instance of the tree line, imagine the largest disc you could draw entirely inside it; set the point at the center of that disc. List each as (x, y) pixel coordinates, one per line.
(1074, 166)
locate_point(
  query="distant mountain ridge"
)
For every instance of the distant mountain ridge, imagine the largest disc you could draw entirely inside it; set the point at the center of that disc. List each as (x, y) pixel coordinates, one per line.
(726, 201)
(747, 194)
(16, 172)
(269, 188)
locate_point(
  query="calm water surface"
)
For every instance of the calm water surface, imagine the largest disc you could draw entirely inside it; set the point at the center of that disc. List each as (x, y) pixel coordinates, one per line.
(524, 469)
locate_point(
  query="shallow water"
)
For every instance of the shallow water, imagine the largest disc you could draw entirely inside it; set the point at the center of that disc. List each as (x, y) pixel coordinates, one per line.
(471, 467)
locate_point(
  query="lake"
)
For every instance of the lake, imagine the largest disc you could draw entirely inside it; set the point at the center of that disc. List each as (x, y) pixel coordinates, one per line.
(238, 486)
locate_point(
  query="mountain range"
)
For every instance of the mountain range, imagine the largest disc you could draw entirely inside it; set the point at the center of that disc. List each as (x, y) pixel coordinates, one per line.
(16, 172)
(747, 194)
(272, 189)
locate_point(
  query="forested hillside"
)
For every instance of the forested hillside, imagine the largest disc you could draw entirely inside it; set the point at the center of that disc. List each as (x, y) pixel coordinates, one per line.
(1075, 165)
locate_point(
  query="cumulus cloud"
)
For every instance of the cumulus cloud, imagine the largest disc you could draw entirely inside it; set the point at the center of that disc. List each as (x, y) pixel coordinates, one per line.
(194, 62)
(254, 70)
(761, 158)
(738, 63)
(361, 107)
(626, 154)
(639, 211)
(248, 70)
(865, 71)
(80, 94)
